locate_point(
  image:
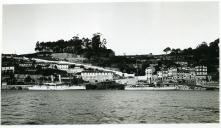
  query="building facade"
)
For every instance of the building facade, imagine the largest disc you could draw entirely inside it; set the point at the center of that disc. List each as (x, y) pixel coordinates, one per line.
(26, 64)
(91, 76)
(75, 70)
(8, 69)
(62, 66)
(149, 74)
(201, 75)
(59, 66)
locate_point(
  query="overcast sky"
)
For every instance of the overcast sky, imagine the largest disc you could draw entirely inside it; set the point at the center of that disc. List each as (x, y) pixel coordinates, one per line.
(130, 28)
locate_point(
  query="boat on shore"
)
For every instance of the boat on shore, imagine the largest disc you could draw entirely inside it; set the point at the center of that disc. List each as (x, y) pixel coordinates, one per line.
(148, 88)
(106, 85)
(56, 86)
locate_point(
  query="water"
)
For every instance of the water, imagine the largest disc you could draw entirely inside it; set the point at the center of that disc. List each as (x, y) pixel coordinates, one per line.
(109, 107)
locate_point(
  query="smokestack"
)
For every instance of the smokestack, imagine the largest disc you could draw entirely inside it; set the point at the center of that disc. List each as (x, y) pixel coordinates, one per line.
(59, 78)
(52, 78)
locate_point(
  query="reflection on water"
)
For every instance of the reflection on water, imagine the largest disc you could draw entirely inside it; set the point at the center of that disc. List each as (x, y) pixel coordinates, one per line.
(101, 107)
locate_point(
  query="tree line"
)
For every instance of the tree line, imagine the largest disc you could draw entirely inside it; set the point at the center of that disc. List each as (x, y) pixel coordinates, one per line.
(89, 48)
(204, 54)
(202, 49)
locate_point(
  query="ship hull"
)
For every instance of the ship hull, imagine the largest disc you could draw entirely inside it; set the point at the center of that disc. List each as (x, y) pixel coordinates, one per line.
(151, 88)
(44, 87)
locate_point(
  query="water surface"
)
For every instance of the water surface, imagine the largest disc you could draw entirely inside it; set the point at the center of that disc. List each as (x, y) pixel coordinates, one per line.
(108, 107)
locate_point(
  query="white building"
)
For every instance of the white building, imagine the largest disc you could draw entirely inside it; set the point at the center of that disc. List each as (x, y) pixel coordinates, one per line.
(8, 69)
(149, 74)
(183, 75)
(165, 74)
(59, 66)
(182, 63)
(128, 75)
(201, 75)
(141, 78)
(172, 72)
(62, 66)
(95, 76)
(75, 70)
(53, 65)
(192, 73)
(26, 64)
(160, 74)
(43, 65)
(201, 70)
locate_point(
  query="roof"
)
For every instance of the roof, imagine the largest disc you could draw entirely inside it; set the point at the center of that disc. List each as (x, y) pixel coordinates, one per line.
(96, 72)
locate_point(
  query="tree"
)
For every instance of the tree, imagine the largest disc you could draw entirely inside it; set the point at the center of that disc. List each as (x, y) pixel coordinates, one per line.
(37, 47)
(90, 48)
(214, 48)
(81, 66)
(39, 68)
(72, 66)
(167, 49)
(178, 50)
(96, 41)
(173, 51)
(103, 44)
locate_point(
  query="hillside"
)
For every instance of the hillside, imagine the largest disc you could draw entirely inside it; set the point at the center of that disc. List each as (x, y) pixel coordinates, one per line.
(94, 51)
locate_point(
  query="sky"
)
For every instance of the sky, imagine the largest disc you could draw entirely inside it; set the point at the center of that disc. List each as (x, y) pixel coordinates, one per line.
(130, 28)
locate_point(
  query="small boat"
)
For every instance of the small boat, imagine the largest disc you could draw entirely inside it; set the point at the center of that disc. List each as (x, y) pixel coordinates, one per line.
(55, 86)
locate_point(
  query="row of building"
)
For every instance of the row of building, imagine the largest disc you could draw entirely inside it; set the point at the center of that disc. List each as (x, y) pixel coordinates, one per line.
(197, 75)
(193, 75)
(79, 71)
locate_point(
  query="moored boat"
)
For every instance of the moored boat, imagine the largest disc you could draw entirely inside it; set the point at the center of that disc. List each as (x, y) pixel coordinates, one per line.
(54, 86)
(148, 88)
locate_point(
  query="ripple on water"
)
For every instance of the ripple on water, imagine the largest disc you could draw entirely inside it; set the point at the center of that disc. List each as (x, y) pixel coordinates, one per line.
(17, 114)
(113, 111)
(121, 118)
(16, 103)
(43, 104)
(5, 105)
(143, 121)
(31, 123)
(35, 99)
(87, 113)
(6, 122)
(90, 107)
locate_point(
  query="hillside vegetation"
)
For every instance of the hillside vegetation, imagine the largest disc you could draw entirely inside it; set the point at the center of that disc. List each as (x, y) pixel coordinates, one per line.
(89, 48)
(94, 51)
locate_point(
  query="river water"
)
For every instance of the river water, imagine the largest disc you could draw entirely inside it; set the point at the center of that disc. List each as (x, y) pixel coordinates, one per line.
(108, 107)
